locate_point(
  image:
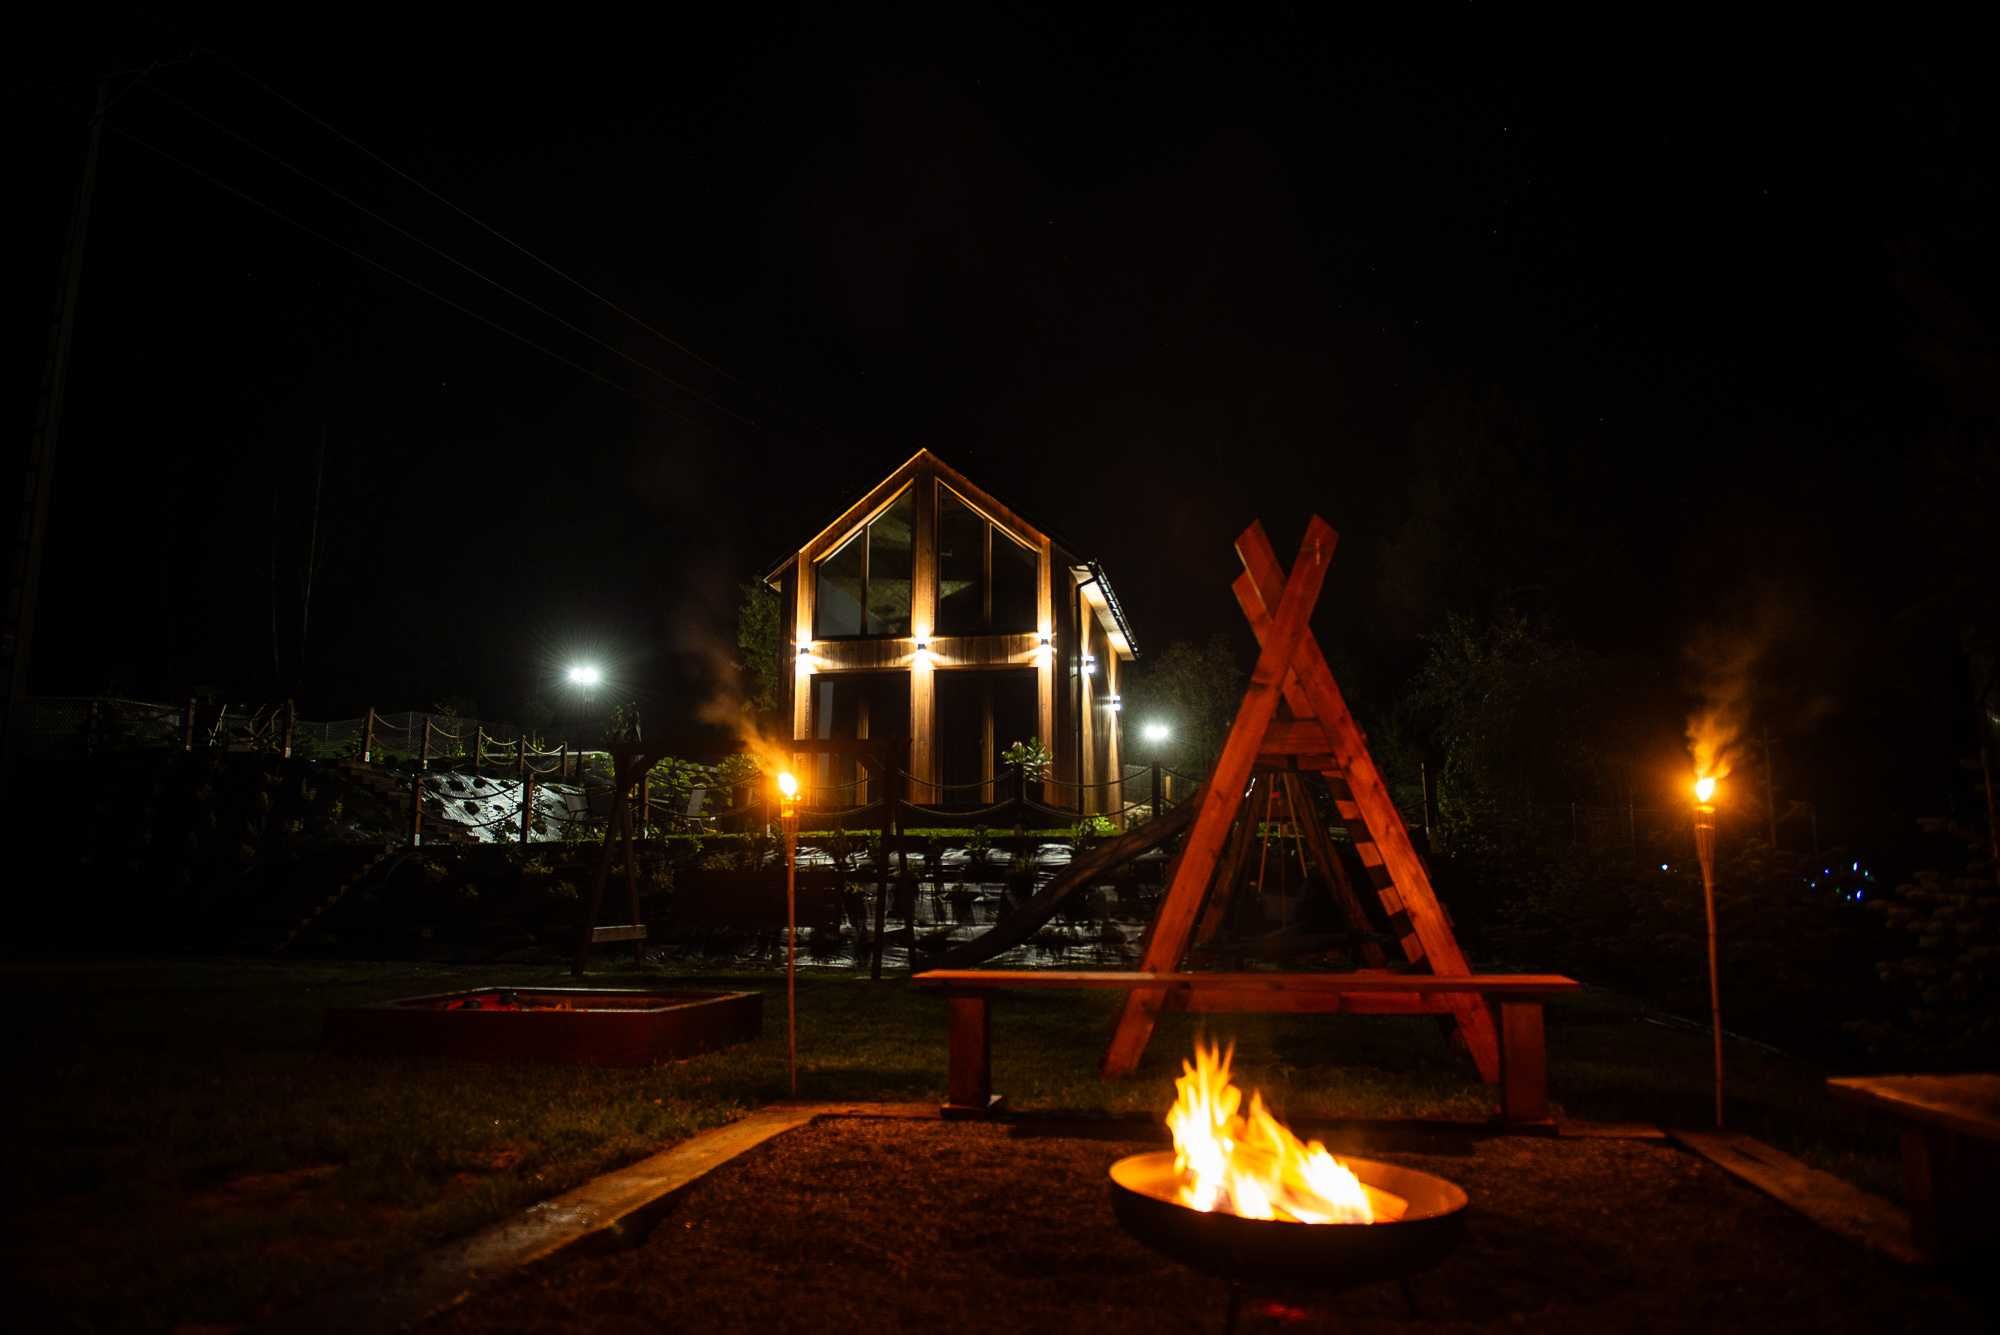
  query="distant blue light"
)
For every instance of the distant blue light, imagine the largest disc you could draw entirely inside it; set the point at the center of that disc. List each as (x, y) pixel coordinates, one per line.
(1857, 896)
(1857, 866)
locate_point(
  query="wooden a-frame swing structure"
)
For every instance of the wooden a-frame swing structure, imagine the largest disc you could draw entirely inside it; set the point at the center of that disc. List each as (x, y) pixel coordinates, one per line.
(1293, 726)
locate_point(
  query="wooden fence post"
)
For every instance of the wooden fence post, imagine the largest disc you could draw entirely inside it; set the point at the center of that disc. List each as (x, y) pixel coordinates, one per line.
(291, 729)
(562, 761)
(368, 737)
(1156, 790)
(478, 748)
(645, 792)
(521, 755)
(882, 871)
(527, 807)
(187, 725)
(417, 787)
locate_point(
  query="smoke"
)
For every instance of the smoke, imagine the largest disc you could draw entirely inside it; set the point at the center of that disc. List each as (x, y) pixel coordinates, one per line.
(723, 701)
(1723, 667)
(1728, 664)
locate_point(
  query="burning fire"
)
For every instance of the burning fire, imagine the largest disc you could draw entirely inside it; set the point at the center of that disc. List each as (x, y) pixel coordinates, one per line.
(788, 785)
(1704, 789)
(1253, 1165)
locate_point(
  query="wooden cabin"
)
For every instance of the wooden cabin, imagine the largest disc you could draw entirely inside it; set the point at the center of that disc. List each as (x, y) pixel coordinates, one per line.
(931, 610)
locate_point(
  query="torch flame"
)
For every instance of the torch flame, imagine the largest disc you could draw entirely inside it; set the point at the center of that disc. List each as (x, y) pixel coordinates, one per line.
(1704, 789)
(788, 785)
(1253, 1166)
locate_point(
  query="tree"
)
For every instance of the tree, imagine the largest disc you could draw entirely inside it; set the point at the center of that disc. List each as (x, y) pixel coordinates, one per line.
(1507, 708)
(1192, 689)
(757, 623)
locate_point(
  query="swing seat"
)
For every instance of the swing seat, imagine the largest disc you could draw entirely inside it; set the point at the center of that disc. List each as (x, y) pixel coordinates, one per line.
(631, 931)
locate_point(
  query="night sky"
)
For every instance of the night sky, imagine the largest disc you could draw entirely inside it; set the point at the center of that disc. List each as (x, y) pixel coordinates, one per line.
(1643, 332)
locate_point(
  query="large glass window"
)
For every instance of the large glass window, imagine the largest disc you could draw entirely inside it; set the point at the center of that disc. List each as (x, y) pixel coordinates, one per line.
(864, 587)
(961, 604)
(1016, 575)
(987, 582)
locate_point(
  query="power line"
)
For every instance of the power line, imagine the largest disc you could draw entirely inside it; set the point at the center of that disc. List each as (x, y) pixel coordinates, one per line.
(443, 254)
(374, 263)
(577, 283)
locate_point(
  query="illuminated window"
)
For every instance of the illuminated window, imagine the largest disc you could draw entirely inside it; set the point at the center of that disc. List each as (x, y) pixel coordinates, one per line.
(863, 588)
(987, 582)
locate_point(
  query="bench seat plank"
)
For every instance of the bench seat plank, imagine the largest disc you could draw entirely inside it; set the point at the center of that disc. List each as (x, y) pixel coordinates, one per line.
(1968, 1105)
(1360, 981)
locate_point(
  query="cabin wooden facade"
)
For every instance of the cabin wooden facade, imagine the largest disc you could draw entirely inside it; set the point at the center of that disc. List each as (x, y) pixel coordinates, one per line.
(931, 610)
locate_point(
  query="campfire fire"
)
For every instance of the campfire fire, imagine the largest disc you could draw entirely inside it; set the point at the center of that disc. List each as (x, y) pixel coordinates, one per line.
(1252, 1165)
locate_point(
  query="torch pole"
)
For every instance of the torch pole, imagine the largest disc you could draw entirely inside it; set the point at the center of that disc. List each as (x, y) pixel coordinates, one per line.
(789, 818)
(1704, 848)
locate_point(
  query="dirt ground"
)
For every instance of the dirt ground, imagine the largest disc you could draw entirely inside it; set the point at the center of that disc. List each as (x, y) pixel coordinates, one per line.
(904, 1225)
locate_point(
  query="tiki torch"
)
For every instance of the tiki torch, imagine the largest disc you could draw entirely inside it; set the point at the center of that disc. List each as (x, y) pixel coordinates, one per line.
(788, 821)
(1704, 849)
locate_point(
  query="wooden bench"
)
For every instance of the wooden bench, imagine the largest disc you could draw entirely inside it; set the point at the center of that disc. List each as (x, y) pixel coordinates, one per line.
(1516, 999)
(1950, 1169)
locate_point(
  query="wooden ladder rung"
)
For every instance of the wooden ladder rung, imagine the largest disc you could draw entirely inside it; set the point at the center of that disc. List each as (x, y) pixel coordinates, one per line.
(632, 931)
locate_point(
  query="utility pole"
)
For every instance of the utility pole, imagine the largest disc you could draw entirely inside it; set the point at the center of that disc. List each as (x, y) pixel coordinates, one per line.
(17, 638)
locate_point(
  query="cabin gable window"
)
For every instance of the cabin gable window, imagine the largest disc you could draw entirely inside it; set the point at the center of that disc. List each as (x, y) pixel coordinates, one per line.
(863, 587)
(988, 582)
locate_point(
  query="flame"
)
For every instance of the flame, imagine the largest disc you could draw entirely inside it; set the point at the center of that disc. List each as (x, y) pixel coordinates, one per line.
(1704, 789)
(1252, 1165)
(788, 785)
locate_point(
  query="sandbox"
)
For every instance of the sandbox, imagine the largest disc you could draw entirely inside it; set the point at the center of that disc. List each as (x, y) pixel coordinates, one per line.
(578, 1026)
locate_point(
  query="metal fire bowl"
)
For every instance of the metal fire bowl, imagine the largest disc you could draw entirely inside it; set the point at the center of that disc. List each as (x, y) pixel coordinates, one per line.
(1336, 1256)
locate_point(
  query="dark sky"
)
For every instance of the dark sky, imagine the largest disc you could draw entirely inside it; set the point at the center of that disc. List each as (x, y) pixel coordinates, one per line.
(1636, 330)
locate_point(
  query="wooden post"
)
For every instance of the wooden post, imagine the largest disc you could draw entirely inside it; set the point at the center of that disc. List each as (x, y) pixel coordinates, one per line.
(527, 807)
(1704, 847)
(368, 737)
(417, 787)
(1524, 1062)
(187, 725)
(597, 880)
(521, 755)
(645, 793)
(291, 729)
(478, 747)
(882, 872)
(622, 776)
(1156, 789)
(969, 1079)
(562, 760)
(789, 815)
(1424, 789)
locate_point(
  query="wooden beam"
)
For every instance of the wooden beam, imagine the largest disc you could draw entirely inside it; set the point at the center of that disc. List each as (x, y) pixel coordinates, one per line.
(1229, 871)
(1320, 844)
(1182, 901)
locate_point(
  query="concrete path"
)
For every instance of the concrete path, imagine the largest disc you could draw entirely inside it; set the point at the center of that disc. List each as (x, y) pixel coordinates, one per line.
(598, 1212)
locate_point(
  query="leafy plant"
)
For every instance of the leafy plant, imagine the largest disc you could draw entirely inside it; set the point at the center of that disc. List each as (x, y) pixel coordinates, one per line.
(1031, 758)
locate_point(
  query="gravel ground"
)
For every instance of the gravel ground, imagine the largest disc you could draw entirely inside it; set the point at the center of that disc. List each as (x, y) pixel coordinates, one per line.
(851, 1225)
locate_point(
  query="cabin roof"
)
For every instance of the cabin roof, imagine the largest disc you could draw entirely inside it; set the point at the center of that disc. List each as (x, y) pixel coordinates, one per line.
(859, 510)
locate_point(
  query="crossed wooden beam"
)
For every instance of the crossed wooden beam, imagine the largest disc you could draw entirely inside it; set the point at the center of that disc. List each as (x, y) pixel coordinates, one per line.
(1293, 715)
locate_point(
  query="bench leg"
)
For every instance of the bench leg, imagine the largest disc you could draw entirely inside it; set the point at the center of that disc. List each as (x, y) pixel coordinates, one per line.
(1524, 1063)
(1948, 1185)
(969, 1081)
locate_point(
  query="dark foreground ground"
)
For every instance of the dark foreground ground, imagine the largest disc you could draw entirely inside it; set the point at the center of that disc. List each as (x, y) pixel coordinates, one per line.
(910, 1225)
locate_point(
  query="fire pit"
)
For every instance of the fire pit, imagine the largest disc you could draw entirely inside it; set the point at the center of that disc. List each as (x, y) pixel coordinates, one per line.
(1242, 1198)
(576, 1025)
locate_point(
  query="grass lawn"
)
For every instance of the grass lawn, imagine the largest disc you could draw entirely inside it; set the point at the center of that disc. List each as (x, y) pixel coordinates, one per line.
(182, 1153)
